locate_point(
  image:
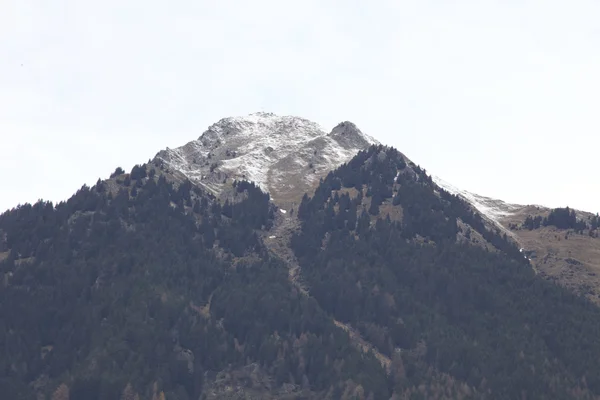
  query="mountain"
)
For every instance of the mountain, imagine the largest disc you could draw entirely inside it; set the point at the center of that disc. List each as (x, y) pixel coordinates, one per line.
(286, 156)
(176, 282)
(567, 252)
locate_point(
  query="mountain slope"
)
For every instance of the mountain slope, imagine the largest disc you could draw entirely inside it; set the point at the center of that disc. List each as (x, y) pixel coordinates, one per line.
(482, 317)
(160, 290)
(181, 280)
(564, 254)
(492, 209)
(286, 156)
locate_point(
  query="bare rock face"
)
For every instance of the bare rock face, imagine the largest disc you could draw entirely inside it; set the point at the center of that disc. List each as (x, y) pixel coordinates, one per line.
(285, 155)
(348, 135)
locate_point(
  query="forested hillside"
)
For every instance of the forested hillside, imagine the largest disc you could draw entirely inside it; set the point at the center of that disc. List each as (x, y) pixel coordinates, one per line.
(150, 292)
(482, 317)
(145, 288)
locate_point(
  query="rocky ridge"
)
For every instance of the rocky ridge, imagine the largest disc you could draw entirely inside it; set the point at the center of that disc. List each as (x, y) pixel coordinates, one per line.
(285, 155)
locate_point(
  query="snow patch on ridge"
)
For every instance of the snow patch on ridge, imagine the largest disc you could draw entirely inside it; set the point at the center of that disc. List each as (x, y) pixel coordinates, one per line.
(493, 209)
(281, 154)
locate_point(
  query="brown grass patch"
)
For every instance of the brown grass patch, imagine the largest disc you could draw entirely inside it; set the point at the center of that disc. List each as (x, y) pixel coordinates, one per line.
(351, 191)
(387, 208)
(27, 260)
(567, 258)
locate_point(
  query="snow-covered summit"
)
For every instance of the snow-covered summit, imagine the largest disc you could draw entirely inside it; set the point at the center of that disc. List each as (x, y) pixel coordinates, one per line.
(285, 155)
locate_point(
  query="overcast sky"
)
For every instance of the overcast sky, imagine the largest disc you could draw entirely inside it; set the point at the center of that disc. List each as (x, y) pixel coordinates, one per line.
(501, 98)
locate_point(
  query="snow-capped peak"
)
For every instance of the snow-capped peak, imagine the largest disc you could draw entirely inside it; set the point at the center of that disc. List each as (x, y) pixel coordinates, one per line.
(285, 155)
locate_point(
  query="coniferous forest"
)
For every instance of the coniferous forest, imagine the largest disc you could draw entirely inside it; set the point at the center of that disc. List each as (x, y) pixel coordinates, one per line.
(483, 317)
(108, 295)
(142, 288)
(564, 218)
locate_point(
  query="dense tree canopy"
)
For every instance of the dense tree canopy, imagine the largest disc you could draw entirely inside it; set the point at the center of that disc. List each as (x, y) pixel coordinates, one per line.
(108, 290)
(141, 287)
(564, 218)
(483, 317)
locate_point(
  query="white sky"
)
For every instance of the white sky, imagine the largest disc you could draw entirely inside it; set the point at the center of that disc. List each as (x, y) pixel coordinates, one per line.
(501, 98)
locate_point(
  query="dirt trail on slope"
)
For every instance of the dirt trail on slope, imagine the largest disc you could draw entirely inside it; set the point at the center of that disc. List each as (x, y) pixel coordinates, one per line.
(278, 241)
(365, 346)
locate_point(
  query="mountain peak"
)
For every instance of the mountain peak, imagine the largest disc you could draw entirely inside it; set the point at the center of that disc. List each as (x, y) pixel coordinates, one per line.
(284, 155)
(347, 132)
(259, 124)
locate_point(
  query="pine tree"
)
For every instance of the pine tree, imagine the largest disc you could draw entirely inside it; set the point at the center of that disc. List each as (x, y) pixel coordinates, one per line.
(118, 171)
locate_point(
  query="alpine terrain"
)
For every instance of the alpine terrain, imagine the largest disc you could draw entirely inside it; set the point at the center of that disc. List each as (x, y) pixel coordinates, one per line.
(286, 156)
(561, 244)
(271, 259)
